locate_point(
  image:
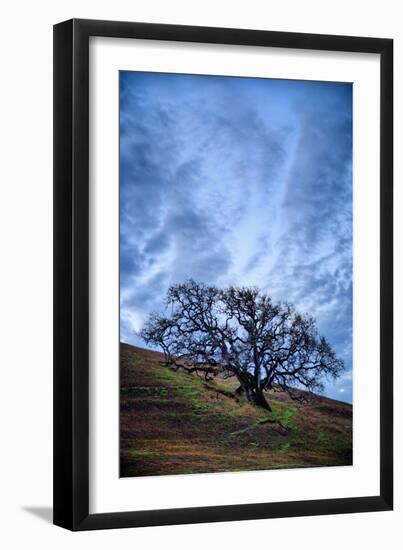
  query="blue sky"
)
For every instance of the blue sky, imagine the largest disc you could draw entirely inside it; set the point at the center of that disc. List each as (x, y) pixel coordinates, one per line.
(238, 181)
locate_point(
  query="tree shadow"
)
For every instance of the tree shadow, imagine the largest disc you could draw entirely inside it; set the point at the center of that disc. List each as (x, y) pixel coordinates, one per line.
(45, 513)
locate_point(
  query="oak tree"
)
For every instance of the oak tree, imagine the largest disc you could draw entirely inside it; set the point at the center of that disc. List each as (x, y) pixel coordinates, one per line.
(240, 332)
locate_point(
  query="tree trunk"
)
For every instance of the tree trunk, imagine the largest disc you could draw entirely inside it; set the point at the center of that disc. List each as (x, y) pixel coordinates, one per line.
(256, 397)
(261, 401)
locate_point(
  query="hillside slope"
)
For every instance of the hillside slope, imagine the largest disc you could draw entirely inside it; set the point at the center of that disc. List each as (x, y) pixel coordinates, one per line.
(175, 423)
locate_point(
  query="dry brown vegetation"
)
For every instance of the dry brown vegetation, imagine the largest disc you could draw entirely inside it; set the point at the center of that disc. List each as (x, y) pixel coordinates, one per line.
(176, 423)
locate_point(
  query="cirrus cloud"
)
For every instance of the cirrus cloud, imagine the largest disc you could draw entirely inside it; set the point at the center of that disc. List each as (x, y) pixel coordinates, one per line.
(238, 181)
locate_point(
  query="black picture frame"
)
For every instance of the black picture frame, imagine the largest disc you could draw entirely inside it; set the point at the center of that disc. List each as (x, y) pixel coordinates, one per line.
(71, 274)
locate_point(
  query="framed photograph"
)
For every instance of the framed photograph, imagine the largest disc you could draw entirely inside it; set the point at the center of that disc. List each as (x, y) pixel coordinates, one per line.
(223, 281)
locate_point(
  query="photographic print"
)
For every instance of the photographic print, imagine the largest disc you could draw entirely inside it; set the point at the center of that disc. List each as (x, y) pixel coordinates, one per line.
(235, 274)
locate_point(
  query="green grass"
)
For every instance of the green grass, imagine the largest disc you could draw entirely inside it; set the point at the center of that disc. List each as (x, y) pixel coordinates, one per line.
(284, 448)
(285, 416)
(174, 423)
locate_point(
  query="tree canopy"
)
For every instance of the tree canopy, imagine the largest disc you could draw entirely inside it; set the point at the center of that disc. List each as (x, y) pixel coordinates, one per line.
(241, 332)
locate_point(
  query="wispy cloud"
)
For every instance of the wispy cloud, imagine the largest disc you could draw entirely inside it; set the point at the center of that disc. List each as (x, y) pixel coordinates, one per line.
(238, 181)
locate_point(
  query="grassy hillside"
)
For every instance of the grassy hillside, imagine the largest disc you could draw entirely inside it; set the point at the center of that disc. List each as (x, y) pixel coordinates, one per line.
(176, 423)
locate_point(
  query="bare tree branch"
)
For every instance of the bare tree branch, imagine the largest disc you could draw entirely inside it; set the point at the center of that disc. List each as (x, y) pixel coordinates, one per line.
(239, 331)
